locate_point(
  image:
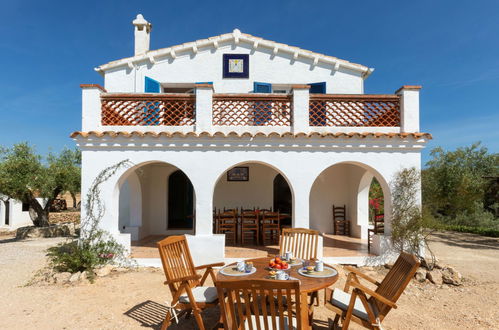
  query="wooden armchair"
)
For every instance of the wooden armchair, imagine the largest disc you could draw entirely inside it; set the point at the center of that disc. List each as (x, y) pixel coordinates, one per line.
(341, 226)
(302, 242)
(242, 305)
(188, 293)
(370, 312)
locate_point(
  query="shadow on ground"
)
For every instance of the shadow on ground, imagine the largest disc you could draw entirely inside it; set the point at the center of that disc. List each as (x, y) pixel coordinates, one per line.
(466, 240)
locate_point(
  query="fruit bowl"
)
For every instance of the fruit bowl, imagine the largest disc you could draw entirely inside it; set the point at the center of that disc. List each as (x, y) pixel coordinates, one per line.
(278, 264)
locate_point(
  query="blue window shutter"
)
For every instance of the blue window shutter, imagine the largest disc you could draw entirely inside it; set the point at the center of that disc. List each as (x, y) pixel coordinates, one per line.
(259, 87)
(205, 82)
(152, 86)
(318, 88)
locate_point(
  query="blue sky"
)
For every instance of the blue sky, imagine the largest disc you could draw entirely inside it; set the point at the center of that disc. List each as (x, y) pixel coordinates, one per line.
(48, 48)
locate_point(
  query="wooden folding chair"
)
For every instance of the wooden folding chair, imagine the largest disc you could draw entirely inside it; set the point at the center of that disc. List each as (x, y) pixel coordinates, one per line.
(341, 226)
(261, 304)
(188, 293)
(370, 311)
(303, 243)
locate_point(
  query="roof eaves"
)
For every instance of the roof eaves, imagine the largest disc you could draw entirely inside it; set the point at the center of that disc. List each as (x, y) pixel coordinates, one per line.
(238, 37)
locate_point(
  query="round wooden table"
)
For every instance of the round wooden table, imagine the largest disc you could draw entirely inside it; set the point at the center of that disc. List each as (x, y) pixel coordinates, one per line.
(307, 284)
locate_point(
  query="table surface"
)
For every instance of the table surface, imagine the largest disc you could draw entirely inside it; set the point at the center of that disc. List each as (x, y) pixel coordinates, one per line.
(307, 284)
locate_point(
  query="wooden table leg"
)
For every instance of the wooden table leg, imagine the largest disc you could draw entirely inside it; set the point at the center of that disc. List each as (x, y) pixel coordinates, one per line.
(305, 312)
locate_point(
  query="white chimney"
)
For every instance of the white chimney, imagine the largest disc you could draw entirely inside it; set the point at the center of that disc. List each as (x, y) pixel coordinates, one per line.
(142, 34)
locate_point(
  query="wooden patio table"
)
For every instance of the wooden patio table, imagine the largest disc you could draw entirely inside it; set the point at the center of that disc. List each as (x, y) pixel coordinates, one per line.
(307, 284)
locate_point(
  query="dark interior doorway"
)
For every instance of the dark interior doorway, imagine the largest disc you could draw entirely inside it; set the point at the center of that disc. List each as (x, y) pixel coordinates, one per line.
(282, 198)
(180, 201)
(7, 213)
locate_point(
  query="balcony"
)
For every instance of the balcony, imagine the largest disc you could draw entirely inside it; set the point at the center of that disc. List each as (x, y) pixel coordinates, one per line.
(296, 112)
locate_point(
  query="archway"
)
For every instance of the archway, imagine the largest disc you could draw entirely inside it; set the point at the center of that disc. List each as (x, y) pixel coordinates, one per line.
(153, 201)
(348, 184)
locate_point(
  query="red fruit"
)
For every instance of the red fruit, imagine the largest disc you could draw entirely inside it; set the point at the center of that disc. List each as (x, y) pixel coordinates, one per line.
(278, 266)
(277, 260)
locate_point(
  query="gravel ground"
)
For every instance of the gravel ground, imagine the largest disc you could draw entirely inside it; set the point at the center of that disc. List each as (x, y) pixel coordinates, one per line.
(134, 300)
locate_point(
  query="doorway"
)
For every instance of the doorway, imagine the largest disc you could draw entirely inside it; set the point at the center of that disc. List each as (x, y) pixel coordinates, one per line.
(180, 201)
(282, 198)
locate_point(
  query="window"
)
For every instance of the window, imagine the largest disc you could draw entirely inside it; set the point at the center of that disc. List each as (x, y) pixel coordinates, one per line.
(25, 207)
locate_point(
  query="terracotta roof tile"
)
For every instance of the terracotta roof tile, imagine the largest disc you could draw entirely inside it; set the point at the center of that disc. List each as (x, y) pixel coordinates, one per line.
(114, 134)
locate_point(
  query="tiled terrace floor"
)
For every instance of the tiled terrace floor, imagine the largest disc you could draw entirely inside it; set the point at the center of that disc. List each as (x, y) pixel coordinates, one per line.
(334, 246)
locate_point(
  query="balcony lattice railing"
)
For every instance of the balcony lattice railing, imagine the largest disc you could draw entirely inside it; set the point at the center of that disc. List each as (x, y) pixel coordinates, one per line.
(354, 110)
(148, 110)
(252, 110)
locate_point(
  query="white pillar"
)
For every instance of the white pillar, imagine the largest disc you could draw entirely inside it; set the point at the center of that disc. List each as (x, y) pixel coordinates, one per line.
(301, 98)
(409, 108)
(91, 107)
(301, 203)
(204, 207)
(204, 107)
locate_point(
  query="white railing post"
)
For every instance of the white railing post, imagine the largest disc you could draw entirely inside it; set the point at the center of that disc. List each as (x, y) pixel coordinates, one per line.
(91, 107)
(204, 107)
(409, 108)
(301, 100)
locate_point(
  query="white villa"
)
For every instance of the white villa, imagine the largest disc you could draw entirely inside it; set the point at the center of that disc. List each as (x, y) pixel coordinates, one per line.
(237, 121)
(13, 214)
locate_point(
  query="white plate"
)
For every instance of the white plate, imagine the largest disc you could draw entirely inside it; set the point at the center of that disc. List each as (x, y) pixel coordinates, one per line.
(223, 271)
(303, 272)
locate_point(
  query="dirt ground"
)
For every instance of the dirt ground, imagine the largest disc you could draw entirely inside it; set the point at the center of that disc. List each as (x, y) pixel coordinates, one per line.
(134, 300)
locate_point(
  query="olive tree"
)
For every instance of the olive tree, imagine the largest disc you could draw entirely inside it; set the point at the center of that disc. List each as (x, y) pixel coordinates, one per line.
(23, 176)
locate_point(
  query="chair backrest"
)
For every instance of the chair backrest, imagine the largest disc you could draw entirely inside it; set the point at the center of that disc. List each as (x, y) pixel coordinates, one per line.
(269, 217)
(339, 212)
(396, 281)
(302, 242)
(249, 216)
(177, 261)
(227, 216)
(260, 304)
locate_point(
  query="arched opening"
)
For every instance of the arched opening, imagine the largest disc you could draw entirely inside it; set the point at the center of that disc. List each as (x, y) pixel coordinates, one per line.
(283, 201)
(344, 184)
(253, 186)
(156, 199)
(7, 213)
(180, 201)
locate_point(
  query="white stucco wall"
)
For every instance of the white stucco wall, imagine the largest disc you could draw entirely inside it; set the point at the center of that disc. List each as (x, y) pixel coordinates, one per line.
(17, 217)
(257, 192)
(206, 66)
(205, 160)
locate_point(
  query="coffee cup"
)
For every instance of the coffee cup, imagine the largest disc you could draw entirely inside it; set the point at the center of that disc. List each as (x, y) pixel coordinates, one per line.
(281, 275)
(241, 266)
(319, 266)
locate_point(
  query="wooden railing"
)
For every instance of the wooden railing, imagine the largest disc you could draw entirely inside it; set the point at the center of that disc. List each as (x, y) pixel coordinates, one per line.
(252, 110)
(148, 109)
(354, 110)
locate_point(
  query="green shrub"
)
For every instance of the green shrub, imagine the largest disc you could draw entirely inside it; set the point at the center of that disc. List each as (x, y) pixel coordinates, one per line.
(75, 256)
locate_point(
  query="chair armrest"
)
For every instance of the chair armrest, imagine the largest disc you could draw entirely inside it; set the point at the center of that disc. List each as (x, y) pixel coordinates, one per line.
(370, 292)
(217, 264)
(360, 274)
(185, 278)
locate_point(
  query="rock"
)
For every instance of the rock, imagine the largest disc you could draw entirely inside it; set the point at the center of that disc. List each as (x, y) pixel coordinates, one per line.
(434, 276)
(61, 278)
(59, 230)
(75, 277)
(420, 275)
(120, 269)
(389, 266)
(451, 276)
(104, 271)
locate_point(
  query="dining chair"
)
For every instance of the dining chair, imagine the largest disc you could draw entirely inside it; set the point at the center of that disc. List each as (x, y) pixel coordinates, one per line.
(341, 226)
(370, 311)
(379, 228)
(270, 226)
(187, 287)
(303, 243)
(227, 224)
(250, 226)
(261, 304)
